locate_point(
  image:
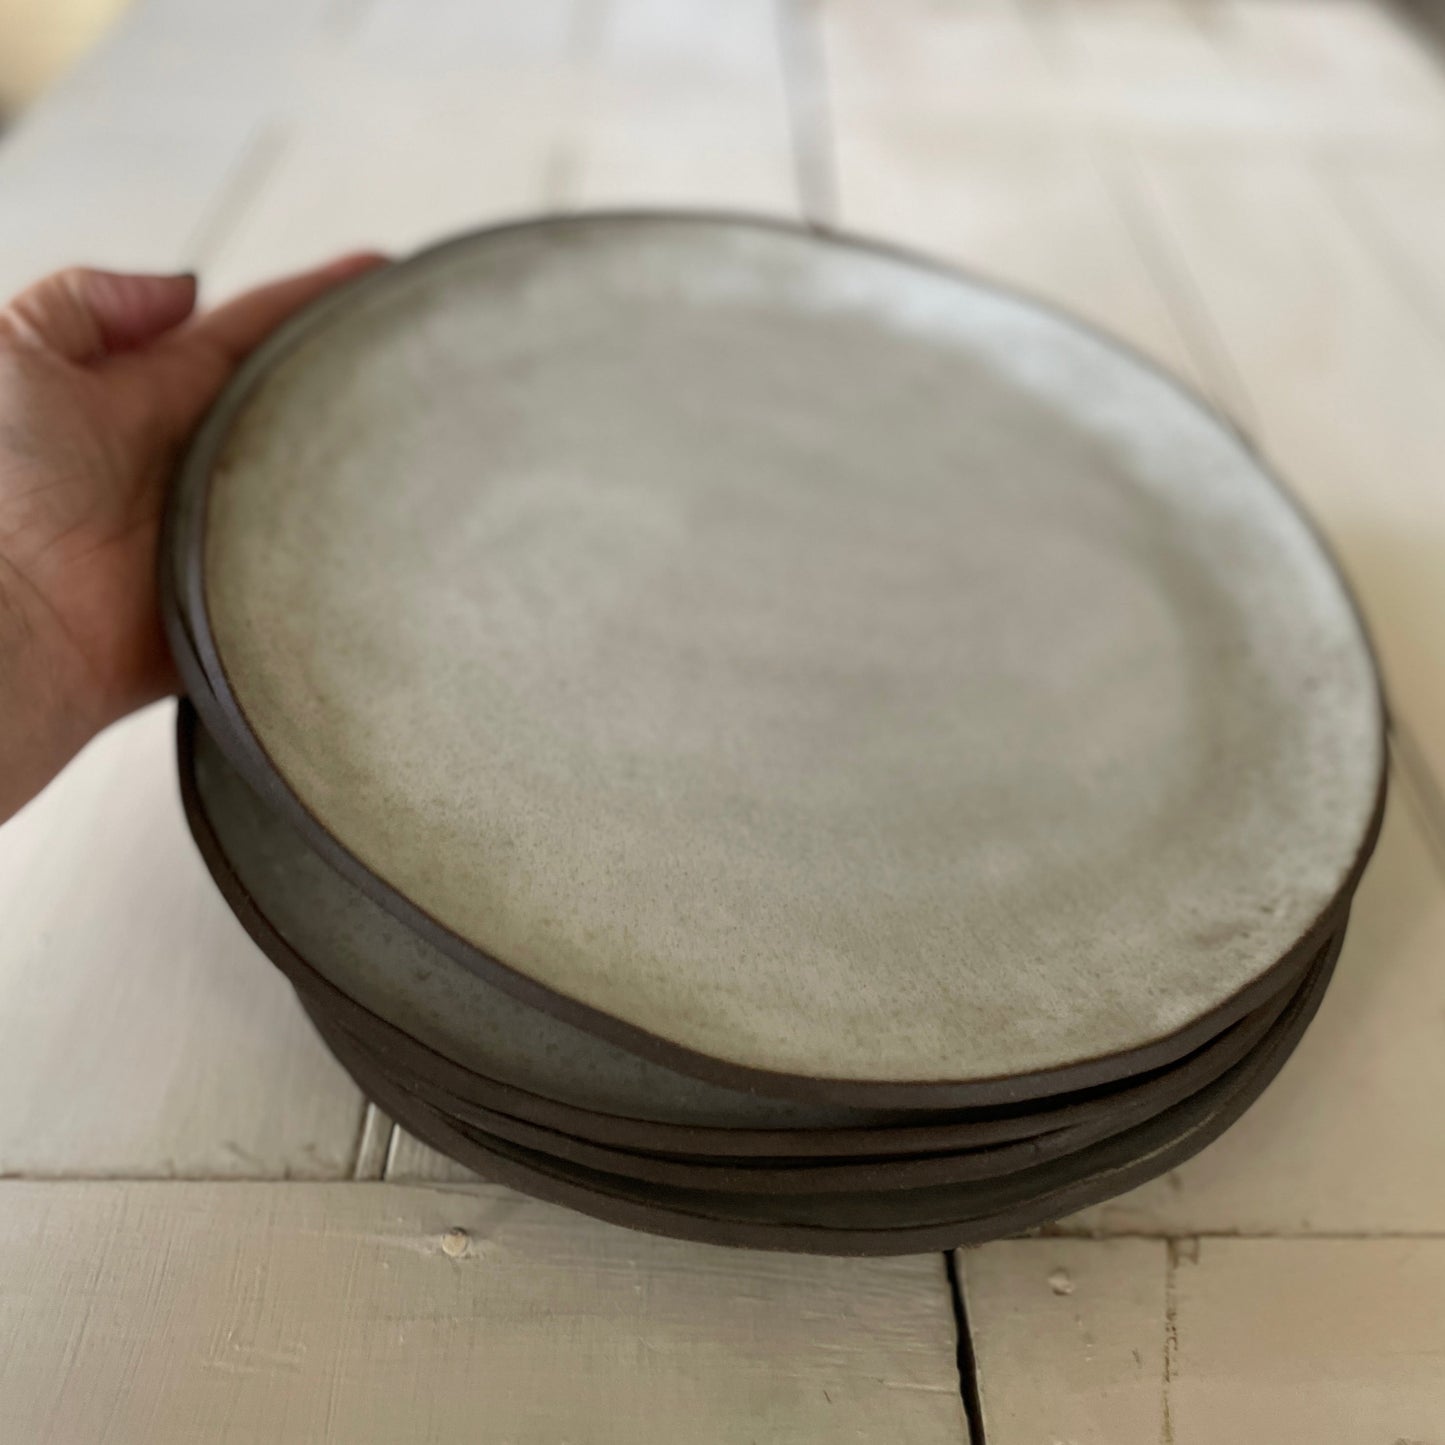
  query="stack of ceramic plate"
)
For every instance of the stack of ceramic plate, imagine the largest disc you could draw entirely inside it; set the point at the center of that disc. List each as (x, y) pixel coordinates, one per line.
(763, 739)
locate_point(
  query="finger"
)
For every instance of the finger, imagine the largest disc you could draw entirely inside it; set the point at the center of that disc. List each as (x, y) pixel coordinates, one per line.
(179, 379)
(82, 314)
(242, 324)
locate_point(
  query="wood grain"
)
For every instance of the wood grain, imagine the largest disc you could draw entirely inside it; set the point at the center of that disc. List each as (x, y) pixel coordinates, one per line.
(357, 1313)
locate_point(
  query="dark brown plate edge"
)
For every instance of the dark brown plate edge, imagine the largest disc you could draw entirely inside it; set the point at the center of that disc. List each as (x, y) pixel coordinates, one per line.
(812, 1176)
(615, 1203)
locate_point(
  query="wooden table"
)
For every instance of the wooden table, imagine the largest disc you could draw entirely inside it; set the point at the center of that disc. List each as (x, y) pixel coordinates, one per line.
(206, 1234)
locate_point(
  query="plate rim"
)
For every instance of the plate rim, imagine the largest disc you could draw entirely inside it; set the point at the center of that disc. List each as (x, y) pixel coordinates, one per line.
(909, 1155)
(184, 612)
(627, 1203)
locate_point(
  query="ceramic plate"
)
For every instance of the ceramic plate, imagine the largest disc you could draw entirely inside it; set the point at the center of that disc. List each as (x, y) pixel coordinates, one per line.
(341, 952)
(870, 1168)
(871, 1222)
(806, 667)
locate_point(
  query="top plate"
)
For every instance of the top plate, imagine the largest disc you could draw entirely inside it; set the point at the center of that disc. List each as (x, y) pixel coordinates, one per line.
(787, 658)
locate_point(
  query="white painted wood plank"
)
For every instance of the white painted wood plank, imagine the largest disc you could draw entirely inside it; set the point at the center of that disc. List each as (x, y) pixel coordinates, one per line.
(417, 128)
(493, 37)
(1294, 1341)
(1347, 1139)
(1036, 216)
(123, 161)
(378, 160)
(717, 40)
(358, 1313)
(684, 104)
(1069, 1340)
(141, 1033)
(1358, 52)
(477, 119)
(164, 54)
(1245, 71)
(1344, 373)
(982, 62)
(1397, 205)
(1145, 46)
(1033, 209)
(1309, 1342)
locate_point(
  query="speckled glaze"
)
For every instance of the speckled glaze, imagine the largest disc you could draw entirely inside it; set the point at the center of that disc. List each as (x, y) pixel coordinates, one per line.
(819, 663)
(585, 1100)
(375, 960)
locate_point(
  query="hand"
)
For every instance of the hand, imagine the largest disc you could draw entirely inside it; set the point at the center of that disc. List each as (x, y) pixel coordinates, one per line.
(102, 379)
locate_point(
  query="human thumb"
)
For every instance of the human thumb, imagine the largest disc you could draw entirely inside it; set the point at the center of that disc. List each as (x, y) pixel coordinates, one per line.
(82, 314)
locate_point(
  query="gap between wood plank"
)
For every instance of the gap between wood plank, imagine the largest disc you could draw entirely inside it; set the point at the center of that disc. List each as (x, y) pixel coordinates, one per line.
(390, 1163)
(373, 1144)
(587, 34)
(1167, 269)
(1043, 1233)
(810, 126)
(967, 1358)
(1171, 1337)
(1170, 274)
(239, 192)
